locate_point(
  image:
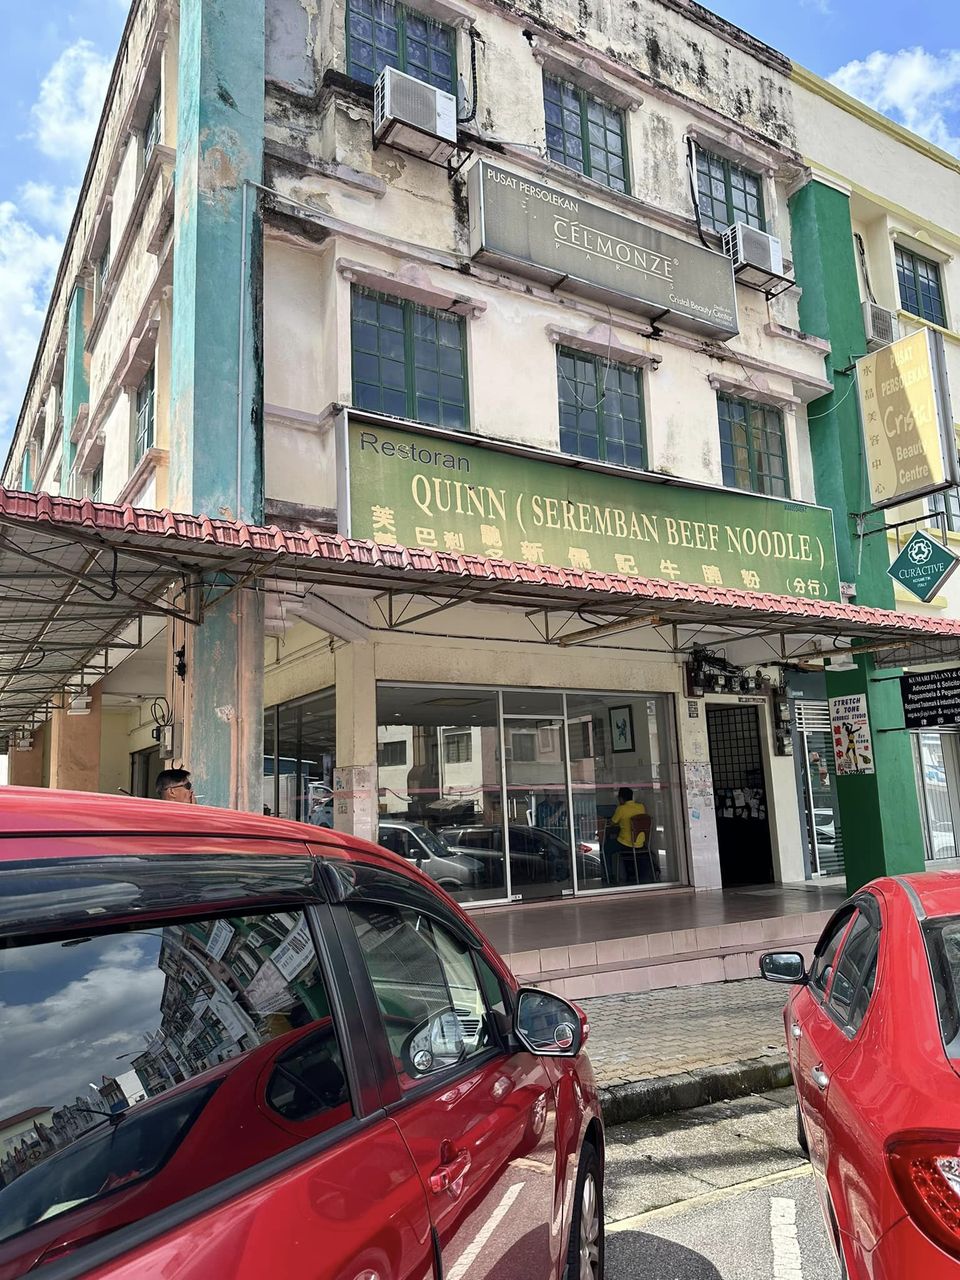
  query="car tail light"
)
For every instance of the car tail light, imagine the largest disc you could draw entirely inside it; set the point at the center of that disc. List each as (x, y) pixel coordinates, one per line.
(926, 1172)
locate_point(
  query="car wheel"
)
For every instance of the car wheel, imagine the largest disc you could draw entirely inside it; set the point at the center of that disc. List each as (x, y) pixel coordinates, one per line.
(585, 1254)
(802, 1134)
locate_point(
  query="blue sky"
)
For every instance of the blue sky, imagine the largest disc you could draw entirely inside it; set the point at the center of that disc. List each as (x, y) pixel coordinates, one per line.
(56, 54)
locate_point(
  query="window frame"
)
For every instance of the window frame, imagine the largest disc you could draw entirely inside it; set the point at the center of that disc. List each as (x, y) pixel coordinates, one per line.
(101, 273)
(409, 310)
(144, 437)
(729, 167)
(96, 483)
(752, 408)
(152, 132)
(914, 261)
(871, 957)
(404, 12)
(602, 369)
(584, 98)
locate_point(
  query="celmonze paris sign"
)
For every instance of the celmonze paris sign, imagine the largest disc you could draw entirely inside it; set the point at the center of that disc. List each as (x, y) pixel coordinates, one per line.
(543, 232)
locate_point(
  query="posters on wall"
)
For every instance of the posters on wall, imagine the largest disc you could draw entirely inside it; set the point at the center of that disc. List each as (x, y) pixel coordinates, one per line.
(852, 741)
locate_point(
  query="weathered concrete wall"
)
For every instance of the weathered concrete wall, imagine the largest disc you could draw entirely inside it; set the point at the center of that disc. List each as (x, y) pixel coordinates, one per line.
(75, 747)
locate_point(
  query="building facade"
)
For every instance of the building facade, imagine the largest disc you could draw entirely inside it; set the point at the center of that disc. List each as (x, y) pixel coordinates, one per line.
(565, 328)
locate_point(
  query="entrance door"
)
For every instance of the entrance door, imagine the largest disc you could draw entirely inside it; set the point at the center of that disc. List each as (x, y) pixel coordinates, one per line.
(740, 795)
(538, 809)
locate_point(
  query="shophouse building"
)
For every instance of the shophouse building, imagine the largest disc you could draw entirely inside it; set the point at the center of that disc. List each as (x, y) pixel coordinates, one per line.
(492, 314)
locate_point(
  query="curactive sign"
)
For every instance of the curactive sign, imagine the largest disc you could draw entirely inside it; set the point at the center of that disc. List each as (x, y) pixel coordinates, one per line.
(931, 699)
(923, 566)
(906, 419)
(430, 490)
(546, 233)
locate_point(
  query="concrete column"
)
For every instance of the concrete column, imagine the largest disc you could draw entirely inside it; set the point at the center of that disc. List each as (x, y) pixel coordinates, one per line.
(216, 416)
(879, 812)
(25, 768)
(75, 747)
(697, 781)
(355, 806)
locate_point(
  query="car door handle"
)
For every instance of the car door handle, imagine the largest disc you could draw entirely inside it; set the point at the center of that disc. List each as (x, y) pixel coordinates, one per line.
(796, 1030)
(819, 1077)
(450, 1172)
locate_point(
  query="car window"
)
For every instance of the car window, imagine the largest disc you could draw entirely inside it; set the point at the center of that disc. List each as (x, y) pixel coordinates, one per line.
(942, 938)
(826, 953)
(422, 974)
(856, 962)
(396, 839)
(128, 1056)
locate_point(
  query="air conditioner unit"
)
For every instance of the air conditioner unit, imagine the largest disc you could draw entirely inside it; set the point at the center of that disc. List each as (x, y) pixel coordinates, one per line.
(881, 326)
(749, 247)
(414, 117)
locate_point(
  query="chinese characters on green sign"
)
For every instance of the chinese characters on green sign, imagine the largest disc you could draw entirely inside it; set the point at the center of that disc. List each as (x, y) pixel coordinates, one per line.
(418, 490)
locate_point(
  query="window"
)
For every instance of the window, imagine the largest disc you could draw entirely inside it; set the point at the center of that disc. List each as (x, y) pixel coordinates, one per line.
(391, 753)
(408, 360)
(727, 194)
(601, 409)
(96, 483)
(942, 937)
(143, 439)
(101, 271)
(381, 34)
(299, 746)
(822, 969)
(168, 1045)
(856, 972)
(433, 1009)
(151, 129)
(458, 747)
(752, 447)
(523, 746)
(920, 290)
(585, 134)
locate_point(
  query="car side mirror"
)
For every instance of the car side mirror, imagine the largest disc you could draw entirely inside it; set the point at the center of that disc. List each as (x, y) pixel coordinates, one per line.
(549, 1025)
(435, 1045)
(783, 966)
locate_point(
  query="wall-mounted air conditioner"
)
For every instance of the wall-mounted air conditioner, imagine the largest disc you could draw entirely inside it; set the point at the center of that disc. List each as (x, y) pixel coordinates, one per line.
(414, 117)
(880, 325)
(749, 247)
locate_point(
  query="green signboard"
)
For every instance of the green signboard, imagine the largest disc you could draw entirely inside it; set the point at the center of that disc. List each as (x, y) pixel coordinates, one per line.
(431, 490)
(923, 566)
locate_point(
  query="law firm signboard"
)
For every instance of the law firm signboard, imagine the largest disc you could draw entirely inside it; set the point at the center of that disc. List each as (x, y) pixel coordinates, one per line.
(543, 232)
(440, 491)
(907, 420)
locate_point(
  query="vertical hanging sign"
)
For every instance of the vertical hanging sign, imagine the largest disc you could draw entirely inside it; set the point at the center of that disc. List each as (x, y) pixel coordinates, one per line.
(852, 741)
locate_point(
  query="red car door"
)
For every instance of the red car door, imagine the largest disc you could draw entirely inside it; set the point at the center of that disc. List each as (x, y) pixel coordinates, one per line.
(830, 1049)
(479, 1122)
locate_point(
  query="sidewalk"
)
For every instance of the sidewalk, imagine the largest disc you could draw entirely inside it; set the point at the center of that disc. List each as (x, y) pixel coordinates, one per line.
(661, 1051)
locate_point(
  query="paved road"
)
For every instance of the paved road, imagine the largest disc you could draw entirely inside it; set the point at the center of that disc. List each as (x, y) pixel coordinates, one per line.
(720, 1193)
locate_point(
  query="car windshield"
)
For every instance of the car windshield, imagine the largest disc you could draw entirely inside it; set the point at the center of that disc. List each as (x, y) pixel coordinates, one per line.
(943, 947)
(126, 1148)
(434, 843)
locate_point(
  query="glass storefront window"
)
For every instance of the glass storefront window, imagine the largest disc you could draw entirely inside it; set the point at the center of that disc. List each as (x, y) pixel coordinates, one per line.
(299, 751)
(540, 821)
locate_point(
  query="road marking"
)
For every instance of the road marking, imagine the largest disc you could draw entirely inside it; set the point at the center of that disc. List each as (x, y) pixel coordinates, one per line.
(787, 1264)
(472, 1251)
(708, 1197)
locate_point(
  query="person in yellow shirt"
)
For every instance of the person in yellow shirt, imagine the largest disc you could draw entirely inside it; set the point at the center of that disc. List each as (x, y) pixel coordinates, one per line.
(627, 809)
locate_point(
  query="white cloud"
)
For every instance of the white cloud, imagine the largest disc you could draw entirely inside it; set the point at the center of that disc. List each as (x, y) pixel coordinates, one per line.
(65, 114)
(915, 87)
(48, 205)
(819, 6)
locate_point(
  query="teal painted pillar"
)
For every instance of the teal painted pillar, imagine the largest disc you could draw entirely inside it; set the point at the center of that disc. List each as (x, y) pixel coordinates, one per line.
(76, 389)
(216, 436)
(879, 812)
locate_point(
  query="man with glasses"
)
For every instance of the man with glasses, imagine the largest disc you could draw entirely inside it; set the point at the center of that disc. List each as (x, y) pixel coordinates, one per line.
(175, 784)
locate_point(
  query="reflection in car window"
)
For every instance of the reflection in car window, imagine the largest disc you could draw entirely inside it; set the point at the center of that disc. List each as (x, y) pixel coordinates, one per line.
(942, 937)
(128, 1058)
(822, 969)
(419, 971)
(858, 951)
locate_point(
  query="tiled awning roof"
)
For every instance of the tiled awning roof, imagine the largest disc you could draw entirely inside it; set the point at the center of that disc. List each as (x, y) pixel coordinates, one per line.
(74, 576)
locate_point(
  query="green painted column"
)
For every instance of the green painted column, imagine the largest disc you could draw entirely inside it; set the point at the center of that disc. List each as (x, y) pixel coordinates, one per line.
(879, 812)
(216, 433)
(76, 389)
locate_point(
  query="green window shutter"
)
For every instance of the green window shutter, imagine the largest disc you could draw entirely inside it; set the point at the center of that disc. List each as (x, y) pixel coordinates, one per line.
(921, 292)
(382, 34)
(585, 134)
(753, 447)
(728, 193)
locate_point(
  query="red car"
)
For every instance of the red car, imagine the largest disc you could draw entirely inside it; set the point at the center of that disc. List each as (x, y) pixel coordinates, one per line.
(873, 1031)
(239, 1047)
